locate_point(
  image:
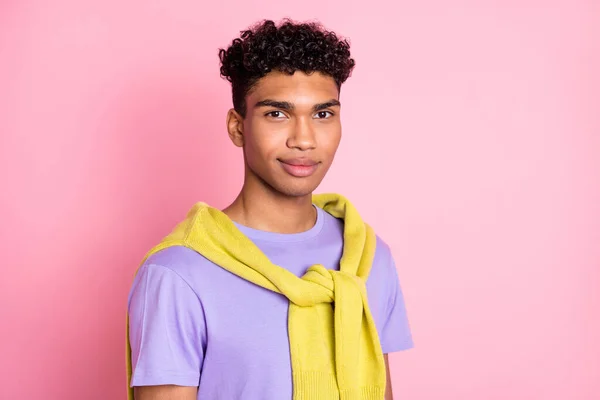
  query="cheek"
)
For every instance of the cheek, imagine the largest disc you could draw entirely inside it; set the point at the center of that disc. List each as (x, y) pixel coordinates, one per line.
(331, 140)
(263, 141)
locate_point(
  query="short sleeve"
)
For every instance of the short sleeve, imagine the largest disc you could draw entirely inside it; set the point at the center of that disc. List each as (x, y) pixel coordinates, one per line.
(166, 329)
(395, 334)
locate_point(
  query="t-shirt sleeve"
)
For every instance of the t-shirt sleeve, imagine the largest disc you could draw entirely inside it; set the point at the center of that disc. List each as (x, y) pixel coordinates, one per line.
(166, 329)
(395, 334)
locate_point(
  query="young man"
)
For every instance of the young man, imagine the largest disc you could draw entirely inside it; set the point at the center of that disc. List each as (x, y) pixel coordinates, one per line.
(281, 295)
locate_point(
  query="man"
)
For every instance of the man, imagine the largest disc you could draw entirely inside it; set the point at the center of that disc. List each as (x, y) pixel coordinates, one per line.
(262, 300)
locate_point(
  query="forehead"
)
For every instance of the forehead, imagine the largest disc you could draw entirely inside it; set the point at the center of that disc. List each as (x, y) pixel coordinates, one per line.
(297, 88)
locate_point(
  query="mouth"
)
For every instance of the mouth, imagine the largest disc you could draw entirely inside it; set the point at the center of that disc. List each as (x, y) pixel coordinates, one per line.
(299, 167)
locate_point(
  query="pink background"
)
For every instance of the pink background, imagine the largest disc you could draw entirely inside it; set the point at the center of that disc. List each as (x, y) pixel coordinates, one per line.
(471, 143)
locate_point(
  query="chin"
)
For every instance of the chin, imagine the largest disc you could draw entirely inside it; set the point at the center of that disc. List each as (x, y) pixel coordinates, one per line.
(296, 189)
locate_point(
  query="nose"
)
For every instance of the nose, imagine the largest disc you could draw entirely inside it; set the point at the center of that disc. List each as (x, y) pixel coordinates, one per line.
(302, 136)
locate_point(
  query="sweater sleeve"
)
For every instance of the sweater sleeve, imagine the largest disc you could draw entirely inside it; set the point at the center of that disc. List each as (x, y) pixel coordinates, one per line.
(167, 329)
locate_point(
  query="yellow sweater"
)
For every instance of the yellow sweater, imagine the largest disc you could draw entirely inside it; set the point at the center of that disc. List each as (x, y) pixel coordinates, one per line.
(334, 345)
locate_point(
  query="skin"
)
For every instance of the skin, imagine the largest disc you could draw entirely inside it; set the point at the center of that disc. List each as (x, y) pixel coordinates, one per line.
(287, 116)
(271, 199)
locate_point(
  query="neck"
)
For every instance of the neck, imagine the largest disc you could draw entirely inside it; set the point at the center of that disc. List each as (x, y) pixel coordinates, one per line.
(262, 208)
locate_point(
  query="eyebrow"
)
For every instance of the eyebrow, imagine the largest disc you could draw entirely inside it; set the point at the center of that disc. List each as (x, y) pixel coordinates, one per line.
(286, 105)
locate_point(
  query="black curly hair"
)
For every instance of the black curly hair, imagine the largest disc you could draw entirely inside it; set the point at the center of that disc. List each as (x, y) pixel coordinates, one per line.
(289, 47)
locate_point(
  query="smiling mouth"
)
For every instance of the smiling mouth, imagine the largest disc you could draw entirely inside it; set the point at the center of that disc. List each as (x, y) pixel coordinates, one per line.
(299, 168)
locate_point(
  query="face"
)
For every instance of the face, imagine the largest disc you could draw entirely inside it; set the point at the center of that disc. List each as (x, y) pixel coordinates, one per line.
(291, 131)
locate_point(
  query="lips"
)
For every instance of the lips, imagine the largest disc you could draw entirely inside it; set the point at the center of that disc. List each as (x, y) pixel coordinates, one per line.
(299, 167)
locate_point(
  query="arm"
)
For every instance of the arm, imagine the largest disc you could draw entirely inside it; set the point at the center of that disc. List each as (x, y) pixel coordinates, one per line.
(388, 389)
(166, 332)
(165, 392)
(395, 332)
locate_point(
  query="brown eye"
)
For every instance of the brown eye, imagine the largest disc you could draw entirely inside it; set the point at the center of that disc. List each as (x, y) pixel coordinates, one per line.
(276, 114)
(324, 114)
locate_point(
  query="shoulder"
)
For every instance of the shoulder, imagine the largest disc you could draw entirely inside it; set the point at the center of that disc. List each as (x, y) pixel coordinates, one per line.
(175, 268)
(383, 261)
(179, 260)
(165, 270)
(383, 268)
(383, 252)
(176, 258)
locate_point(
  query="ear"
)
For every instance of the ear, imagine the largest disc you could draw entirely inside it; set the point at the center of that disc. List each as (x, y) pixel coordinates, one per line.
(235, 127)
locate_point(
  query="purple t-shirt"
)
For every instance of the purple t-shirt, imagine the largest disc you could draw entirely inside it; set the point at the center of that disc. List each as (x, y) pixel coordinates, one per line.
(192, 323)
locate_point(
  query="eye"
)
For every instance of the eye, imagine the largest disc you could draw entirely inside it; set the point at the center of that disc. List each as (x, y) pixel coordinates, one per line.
(324, 114)
(275, 114)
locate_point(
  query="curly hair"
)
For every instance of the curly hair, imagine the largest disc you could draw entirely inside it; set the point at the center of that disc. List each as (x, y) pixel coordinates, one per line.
(291, 47)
